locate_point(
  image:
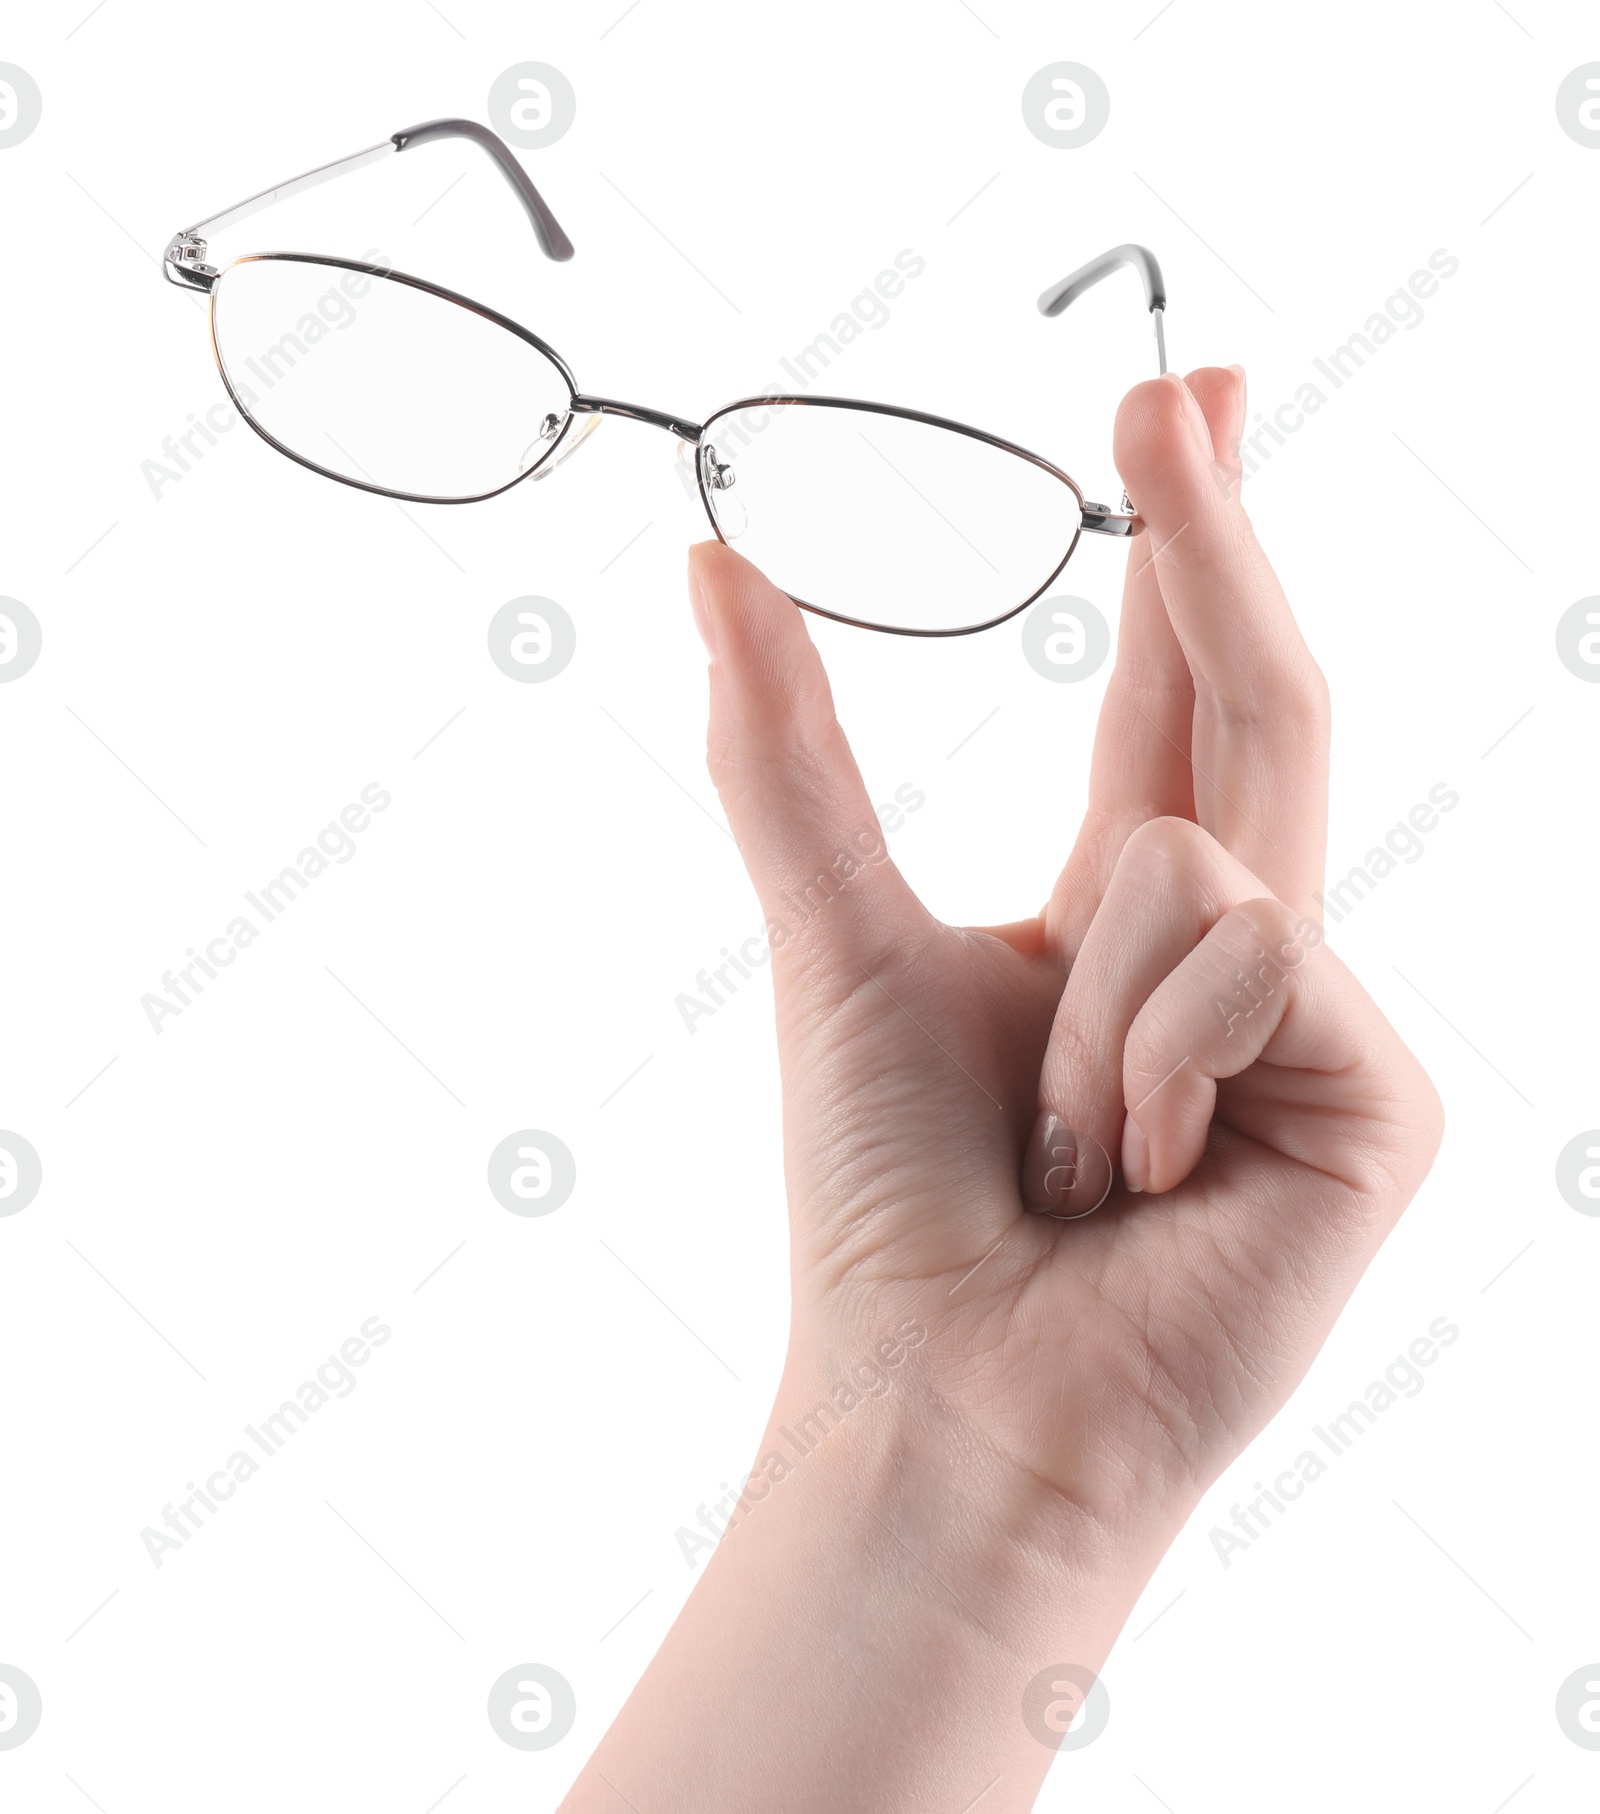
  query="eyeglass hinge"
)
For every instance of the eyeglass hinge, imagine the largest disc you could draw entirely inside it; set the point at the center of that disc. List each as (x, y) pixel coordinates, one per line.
(1102, 520)
(185, 263)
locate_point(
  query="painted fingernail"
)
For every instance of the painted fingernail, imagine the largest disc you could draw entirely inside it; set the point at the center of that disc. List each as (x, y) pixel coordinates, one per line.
(1135, 1156)
(1065, 1174)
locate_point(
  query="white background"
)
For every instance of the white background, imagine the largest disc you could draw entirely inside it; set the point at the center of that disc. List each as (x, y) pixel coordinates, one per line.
(231, 1199)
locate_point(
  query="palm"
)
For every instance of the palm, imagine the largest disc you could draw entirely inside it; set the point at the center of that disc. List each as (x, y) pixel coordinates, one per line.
(1154, 1316)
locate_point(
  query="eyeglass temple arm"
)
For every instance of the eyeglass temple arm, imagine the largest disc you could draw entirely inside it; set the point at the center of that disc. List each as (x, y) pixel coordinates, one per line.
(185, 260)
(1096, 517)
(552, 240)
(1071, 287)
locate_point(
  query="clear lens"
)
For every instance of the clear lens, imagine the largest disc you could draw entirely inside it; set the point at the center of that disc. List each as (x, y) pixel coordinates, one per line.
(372, 379)
(883, 518)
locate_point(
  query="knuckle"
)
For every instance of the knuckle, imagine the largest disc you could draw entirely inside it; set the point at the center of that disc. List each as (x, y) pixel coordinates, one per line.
(1314, 702)
(1073, 1061)
(722, 760)
(1169, 840)
(1259, 943)
(1267, 923)
(1430, 1119)
(1287, 695)
(1146, 1054)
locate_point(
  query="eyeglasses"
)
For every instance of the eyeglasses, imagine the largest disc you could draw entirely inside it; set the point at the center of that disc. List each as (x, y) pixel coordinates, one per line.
(885, 518)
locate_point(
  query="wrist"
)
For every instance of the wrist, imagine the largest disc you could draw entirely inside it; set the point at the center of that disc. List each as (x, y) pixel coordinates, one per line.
(886, 1593)
(889, 1400)
(871, 1451)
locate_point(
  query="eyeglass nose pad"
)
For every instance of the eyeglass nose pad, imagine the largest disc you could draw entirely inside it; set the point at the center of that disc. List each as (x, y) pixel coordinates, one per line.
(549, 428)
(716, 481)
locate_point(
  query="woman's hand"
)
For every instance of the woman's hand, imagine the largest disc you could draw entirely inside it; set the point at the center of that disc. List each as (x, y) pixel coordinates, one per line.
(1099, 1181)
(1172, 1008)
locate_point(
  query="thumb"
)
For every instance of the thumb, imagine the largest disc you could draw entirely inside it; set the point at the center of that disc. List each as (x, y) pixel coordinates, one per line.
(809, 835)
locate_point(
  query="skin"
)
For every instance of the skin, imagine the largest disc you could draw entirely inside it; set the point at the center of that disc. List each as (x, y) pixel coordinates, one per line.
(1065, 1385)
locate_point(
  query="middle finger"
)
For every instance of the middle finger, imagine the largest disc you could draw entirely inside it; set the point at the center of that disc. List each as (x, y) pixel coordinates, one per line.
(1259, 744)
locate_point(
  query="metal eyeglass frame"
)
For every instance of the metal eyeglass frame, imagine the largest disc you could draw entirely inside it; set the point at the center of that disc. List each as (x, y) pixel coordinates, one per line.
(184, 263)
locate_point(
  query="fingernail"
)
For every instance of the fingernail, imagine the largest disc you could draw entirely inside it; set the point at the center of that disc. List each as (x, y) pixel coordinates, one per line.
(1135, 1156)
(1064, 1174)
(703, 621)
(1196, 418)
